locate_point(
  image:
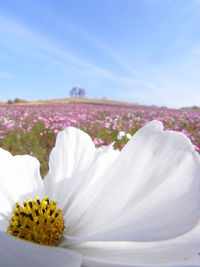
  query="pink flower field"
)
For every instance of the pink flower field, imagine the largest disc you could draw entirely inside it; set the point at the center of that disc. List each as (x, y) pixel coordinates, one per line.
(32, 129)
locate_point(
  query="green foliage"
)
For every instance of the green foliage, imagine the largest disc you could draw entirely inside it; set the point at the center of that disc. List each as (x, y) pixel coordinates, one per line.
(9, 101)
(19, 100)
(36, 142)
(16, 101)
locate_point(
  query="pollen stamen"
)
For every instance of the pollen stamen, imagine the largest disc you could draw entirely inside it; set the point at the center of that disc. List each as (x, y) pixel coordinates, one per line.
(39, 221)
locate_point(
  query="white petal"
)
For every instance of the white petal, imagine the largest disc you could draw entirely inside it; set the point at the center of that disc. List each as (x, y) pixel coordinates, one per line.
(181, 251)
(19, 180)
(122, 133)
(128, 135)
(18, 253)
(103, 158)
(119, 137)
(70, 158)
(151, 191)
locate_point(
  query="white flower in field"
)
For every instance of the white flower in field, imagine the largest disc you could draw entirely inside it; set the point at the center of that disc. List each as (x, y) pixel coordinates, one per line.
(120, 135)
(128, 135)
(139, 207)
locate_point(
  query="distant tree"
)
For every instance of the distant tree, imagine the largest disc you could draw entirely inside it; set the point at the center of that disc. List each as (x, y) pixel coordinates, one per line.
(9, 101)
(77, 92)
(19, 100)
(195, 107)
(84, 93)
(71, 92)
(81, 92)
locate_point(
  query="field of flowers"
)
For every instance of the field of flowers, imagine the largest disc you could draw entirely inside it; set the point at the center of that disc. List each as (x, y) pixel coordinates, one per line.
(32, 129)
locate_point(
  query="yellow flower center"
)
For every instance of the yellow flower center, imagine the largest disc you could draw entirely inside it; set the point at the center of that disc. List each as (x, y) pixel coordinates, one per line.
(37, 221)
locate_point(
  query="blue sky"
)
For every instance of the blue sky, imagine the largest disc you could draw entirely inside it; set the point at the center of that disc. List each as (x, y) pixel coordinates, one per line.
(144, 51)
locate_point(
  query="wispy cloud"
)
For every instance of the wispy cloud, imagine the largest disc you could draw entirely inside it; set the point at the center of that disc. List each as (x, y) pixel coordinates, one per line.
(79, 31)
(137, 86)
(11, 27)
(135, 78)
(38, 43)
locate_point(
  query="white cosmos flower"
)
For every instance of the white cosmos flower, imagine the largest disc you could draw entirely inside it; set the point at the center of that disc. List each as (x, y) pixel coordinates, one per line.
(139, 207)
(120, 135)
(128, 135)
